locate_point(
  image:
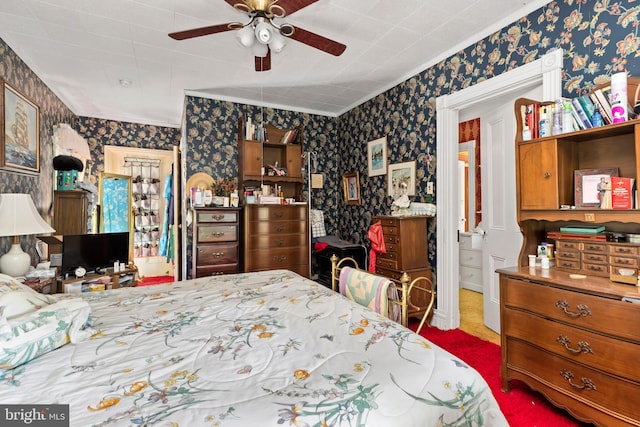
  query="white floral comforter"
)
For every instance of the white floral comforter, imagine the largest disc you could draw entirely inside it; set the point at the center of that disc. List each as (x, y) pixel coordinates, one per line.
(259, 349)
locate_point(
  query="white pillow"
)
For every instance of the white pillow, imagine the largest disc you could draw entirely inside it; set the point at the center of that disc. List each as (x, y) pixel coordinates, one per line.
(17, 299)
(27, 337)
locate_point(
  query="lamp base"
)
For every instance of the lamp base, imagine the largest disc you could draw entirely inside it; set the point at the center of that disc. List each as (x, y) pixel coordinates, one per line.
(16, 262)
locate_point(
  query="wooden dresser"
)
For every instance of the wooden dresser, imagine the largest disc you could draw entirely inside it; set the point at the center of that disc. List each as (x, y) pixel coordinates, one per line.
(70, 211)
(275, 237)
(573, 340)
(216, 237)
(406, 241)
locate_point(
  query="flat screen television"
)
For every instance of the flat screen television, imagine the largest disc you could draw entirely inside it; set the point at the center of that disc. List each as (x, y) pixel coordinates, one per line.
(94, 252)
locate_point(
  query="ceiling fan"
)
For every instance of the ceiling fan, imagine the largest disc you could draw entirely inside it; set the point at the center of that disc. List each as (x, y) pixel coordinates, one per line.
(262, 34)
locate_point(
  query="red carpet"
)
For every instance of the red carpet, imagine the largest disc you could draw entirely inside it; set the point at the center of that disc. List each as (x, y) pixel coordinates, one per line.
(522, 406)
(155, 280)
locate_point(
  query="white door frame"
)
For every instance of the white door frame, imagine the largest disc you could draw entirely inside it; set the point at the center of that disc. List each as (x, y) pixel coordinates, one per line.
(546, 70)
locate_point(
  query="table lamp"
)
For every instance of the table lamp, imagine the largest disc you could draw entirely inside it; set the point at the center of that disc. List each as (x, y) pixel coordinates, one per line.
(19, 217)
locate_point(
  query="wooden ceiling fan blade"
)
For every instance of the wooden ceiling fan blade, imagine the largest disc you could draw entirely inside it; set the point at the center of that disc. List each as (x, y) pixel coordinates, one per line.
(263, 63)
(317, 41)
(202, 31)
(291, 6)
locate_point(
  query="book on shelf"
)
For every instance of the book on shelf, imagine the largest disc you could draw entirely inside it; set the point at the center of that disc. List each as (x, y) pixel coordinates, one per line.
(533, 120)
(583, 229)
(587, 106)
(583, 119)
(605, 106)
(622, 193)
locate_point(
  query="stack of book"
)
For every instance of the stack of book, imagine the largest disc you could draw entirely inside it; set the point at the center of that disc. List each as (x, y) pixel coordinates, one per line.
(579, 231)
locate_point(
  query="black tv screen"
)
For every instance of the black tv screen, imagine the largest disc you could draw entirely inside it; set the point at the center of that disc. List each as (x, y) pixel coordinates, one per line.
(94, 251)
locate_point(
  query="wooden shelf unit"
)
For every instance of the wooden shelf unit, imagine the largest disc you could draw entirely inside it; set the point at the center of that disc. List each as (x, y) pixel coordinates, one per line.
(568, 335)
(256, 156)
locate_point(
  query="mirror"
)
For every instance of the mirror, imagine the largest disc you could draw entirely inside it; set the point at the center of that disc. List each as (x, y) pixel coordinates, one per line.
(115, 203)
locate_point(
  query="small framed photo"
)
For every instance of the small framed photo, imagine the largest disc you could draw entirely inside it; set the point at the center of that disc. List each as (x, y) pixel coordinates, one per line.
(590, 186)
(351, 184)
(402, 179)
(377, 156)
(19, 131)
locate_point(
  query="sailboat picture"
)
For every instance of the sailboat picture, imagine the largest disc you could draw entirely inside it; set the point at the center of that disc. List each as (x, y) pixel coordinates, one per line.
(20, 148)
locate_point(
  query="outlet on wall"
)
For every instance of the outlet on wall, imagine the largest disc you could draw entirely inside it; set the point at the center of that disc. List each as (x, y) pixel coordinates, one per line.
(429, 187)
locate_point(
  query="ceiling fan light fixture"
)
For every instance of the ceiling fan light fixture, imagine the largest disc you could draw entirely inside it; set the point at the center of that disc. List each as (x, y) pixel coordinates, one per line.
(277, 43)
(246, 36)
(264, 32)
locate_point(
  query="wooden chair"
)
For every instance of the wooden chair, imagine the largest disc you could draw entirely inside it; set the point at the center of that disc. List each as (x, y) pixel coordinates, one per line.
(398, 294)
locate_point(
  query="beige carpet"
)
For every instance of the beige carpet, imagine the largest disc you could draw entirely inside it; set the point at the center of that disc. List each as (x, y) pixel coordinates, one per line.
(471, 316)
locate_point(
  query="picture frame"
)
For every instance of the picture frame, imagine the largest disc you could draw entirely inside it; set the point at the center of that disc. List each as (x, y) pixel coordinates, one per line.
(19, 131)
(377, 156)
(351, 186)
(586, 186)
(399, 174)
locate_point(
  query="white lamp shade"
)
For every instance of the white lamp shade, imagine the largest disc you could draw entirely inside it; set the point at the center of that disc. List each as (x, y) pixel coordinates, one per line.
(246, 36)
(264, 32)
(19, 216)
(277, 42)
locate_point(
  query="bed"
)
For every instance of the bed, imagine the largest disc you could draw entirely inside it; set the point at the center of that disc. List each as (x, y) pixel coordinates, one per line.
(257, 349)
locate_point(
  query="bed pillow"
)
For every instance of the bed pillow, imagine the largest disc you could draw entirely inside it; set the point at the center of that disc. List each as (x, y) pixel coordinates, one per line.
(17, 299)
(26, 337)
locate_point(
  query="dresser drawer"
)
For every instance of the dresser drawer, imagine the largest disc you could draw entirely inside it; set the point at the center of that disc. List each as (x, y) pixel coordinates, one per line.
(277, 258)
(623, 261)
(568, 245)
(388, 255)
(217, 254)
(609, 316)
(569, 255)
(614, 356)
(386, 263)
(470, 241)
(588, 385)
(275, 228)
(265, 241)
(387, 222)
(216, 217)
(623, 250)
(471, 258)
(595, 258)
(595, 269)
(594, 247)
(471, 275)
(568, 263)
(276, 213)
(214, 270)
(217, 233)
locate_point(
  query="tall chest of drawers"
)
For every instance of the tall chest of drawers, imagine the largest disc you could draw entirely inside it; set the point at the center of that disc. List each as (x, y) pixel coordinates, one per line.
(275, 237)
(405, 240)
(216, 237)
(574, 340)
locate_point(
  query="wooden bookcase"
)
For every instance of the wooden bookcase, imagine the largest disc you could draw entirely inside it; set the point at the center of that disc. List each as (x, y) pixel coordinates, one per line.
(256, 156)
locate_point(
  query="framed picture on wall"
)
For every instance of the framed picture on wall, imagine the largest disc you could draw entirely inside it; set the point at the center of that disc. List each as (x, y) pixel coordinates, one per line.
(351, 184)
(402, 178)
(377, 156)
(19, 131)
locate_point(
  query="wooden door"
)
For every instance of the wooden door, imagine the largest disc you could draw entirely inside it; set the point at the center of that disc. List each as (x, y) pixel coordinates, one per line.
(252, 158)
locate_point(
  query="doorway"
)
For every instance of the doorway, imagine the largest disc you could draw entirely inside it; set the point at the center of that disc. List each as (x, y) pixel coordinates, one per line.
(544, 72)
(149, 170)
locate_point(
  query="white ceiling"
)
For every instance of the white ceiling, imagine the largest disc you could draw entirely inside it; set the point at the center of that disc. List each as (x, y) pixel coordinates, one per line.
(82, 49)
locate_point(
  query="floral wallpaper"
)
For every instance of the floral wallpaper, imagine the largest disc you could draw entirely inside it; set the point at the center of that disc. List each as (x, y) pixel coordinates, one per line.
(52, 111)
(599, 38)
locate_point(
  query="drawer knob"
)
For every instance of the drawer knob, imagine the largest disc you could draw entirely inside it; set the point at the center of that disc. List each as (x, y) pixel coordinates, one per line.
(587, 384)
(278, 214)
(218, 217)
(583, 347)
(280, 228)
(280, 259)
(583, 310)
(217, 234)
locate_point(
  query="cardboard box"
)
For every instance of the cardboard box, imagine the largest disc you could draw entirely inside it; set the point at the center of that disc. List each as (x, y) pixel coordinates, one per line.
(622, 193)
